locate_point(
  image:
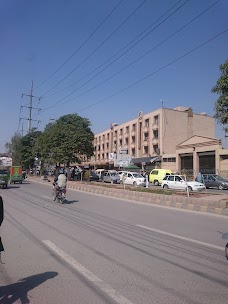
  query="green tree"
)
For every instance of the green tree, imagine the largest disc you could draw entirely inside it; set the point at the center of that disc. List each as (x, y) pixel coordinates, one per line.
(221, 88)
(13, 149)
(28, 152)
(66, 140)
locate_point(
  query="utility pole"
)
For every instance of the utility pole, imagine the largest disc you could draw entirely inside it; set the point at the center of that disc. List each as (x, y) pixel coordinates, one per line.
(31, 96)
(30, 109)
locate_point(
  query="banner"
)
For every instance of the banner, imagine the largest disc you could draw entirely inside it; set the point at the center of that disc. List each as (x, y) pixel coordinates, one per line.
(5, 161)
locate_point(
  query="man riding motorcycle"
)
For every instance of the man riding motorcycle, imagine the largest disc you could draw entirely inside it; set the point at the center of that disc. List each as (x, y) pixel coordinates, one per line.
(60, 181)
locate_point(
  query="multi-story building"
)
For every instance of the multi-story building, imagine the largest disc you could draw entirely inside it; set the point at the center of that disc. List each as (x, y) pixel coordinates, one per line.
(172, 138)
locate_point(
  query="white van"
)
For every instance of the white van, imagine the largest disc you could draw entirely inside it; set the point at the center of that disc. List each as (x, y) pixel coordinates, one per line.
(99, 172)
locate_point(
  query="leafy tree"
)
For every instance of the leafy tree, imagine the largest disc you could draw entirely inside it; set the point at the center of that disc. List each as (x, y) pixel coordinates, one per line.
(27, 148)
(21, 149)
(13, 149)
(66, 140)
(221, 88)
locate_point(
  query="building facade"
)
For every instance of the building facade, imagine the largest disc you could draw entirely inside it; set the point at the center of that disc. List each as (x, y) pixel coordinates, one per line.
(160, 138)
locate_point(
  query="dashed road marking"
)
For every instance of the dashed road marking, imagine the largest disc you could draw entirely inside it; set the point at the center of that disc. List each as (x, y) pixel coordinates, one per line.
(182, 238)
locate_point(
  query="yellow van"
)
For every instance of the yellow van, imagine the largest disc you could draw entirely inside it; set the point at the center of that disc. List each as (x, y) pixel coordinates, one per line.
(156, 175)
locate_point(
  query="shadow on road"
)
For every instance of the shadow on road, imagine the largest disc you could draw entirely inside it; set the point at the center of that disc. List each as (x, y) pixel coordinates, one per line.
(70, 202)
(19, 291)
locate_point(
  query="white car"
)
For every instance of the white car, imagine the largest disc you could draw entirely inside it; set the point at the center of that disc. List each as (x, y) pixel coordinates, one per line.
(177, 182)
(133, 178)
(121, 173)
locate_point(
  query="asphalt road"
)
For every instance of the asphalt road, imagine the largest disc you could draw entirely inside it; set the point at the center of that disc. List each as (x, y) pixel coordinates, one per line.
(97, 249)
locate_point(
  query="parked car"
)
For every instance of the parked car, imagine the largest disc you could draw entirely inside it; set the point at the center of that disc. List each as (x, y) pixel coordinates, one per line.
(121, 173)
(93, 177)
(214, 181)
(111, 177)
(133, 178)
(156, 175)
(178, 182)
(100, 173)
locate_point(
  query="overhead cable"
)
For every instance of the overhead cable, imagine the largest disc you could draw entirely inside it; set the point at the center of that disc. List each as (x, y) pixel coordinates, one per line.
(97, 48)
(155, 72)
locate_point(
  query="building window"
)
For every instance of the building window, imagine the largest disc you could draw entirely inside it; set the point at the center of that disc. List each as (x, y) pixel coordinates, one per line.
(121, 131)
(115, 133)
(145, 150)
(126, 141)
(155, 147)
(98, 148)
(102, 146)
(103, 137)
(133, 127)
(115, 144)
(155, 133)
(133, 139)
(98, 156)
(121, 143)
(169, 159)
(99, 138)
(147, 123)
(127, 130)
(146, 136)
(156, 120)
(133, 151)
(102, 155)
(107, 145)
(106, 155)
(108, 136)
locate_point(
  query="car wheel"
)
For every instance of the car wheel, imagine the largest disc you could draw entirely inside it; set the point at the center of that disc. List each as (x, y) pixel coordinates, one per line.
(189, 188)
(156, 183)
(220, 187)
(165, 187)
(134, 184)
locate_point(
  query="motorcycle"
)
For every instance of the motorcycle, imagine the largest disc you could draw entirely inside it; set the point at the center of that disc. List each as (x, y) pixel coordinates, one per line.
(225, 237)
(60, 194)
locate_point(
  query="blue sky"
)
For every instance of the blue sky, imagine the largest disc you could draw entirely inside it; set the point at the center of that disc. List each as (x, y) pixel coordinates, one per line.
(37, 37)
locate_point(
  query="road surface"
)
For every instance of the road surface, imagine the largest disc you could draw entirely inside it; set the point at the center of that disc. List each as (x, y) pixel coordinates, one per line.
(97, 249)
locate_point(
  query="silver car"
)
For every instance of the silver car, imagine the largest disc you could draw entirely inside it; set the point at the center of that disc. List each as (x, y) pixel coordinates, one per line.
(111, 177)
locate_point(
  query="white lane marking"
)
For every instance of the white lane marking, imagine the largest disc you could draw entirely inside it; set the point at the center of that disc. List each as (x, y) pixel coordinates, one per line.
(182, 238)
(106, 288)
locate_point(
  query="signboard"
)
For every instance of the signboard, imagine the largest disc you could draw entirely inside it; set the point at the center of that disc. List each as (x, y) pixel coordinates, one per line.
(123, 151)
(122, 160)
(111, 156)
(5, 161)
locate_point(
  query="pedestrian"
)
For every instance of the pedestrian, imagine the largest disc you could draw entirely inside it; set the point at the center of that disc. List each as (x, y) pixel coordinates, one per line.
(1, 220)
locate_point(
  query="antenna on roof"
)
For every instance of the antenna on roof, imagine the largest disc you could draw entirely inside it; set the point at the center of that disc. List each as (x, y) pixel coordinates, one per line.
(161, 100)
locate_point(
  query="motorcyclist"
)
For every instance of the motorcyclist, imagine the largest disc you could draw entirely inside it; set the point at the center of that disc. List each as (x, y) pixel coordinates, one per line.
(60, 181)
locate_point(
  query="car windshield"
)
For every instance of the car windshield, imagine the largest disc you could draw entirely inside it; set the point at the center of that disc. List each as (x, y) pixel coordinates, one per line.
(137, 175)
(113, 174)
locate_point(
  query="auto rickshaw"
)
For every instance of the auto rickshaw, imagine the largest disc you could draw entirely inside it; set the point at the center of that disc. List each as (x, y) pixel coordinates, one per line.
(16, 174)
(4, 176)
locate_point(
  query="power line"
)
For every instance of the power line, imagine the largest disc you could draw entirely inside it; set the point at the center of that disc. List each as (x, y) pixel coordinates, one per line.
(97, 48)
(90, 36)
(118, 51)
(115, 60)
(155, 72)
